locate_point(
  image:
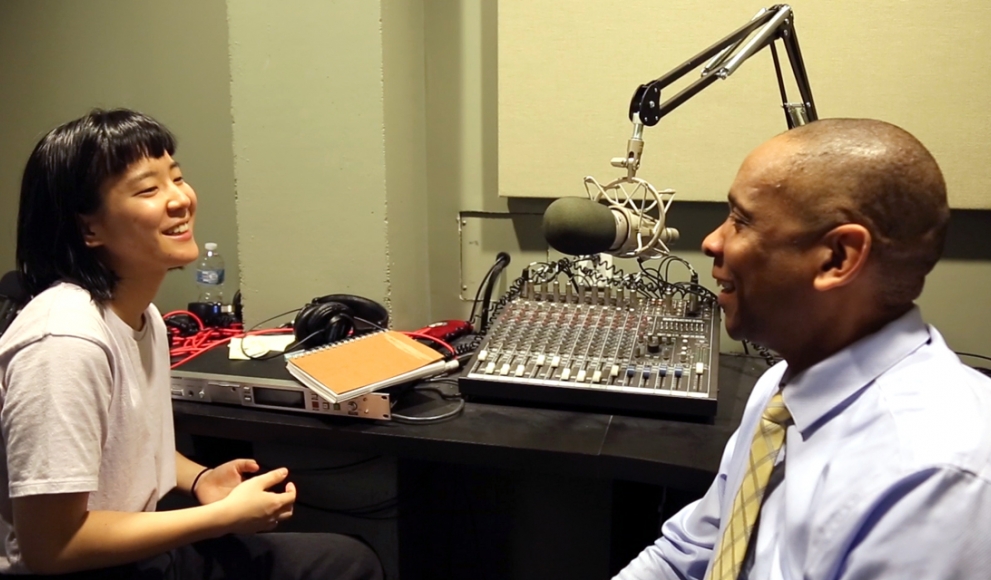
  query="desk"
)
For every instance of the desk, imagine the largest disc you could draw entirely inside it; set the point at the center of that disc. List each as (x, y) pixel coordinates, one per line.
(571, 449)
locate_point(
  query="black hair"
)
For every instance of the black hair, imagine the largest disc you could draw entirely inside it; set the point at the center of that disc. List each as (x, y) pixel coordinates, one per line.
(62, 181)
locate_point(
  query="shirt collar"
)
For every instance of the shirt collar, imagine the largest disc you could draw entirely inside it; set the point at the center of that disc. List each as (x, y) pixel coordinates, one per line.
(813, 393)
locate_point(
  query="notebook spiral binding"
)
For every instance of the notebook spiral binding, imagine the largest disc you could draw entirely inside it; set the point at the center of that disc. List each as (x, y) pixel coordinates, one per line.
(353, 338)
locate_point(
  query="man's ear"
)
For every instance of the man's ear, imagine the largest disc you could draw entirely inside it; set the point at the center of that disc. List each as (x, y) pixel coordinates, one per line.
(843, 256)
(89, 230)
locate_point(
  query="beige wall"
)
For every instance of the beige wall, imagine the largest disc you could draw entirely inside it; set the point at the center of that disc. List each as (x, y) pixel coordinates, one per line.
(364, 141)
(59, 58)
(566, 79)
(306, 97)
(404, 80)
(329, 196)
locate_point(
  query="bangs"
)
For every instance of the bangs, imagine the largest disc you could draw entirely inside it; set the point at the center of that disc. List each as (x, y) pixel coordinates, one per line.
(121, 138)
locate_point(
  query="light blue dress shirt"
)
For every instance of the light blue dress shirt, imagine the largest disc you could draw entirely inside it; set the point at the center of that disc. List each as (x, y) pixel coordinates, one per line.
(888, 471)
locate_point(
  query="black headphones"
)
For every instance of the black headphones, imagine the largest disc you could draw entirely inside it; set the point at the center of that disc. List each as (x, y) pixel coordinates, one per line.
(330, 318)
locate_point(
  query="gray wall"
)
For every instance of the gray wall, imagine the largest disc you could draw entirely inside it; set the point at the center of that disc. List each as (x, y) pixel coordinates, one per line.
(306, 95)
(58, 59)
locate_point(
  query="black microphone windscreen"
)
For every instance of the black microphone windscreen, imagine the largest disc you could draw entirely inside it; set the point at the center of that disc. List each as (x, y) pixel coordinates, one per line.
(578, 226)
(11, 287)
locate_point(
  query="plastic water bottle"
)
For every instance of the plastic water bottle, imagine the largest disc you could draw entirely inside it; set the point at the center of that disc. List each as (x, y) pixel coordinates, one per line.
(210, 275)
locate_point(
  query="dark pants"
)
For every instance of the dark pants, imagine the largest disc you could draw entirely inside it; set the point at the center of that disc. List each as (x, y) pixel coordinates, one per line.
(264, 556)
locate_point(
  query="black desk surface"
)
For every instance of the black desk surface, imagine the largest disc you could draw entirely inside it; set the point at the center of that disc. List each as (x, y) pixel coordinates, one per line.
(665, 452)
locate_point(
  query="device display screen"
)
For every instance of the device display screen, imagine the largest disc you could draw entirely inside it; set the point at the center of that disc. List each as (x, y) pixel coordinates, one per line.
(279, 398)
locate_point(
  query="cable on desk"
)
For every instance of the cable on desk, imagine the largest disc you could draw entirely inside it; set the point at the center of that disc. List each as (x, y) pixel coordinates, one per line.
(370, 323)
(209, 339)
(434, 339)
(435, 418)
(188, 343)
(430, 420)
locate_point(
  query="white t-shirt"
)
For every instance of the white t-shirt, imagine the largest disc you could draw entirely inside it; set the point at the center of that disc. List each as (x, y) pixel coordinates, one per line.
(85, 406)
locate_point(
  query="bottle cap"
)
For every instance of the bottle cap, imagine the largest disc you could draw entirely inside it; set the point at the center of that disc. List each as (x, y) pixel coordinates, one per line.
(210, 246)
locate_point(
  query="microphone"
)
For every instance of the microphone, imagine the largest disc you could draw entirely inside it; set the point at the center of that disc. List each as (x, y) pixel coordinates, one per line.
(12, 297)
(579, 227)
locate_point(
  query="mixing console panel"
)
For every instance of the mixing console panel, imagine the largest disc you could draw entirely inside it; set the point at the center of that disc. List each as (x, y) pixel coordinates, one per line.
(606, 349)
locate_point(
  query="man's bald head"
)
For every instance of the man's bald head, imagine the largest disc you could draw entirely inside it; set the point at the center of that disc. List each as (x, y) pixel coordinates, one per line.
(878, 175)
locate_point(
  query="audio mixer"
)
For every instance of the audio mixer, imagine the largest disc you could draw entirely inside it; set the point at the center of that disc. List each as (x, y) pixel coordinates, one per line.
(602, 348)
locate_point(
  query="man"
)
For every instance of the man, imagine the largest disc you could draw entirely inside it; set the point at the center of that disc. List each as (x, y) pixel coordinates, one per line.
(865, 454)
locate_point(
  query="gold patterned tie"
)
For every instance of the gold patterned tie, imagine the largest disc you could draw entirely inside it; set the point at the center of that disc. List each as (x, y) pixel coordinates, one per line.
(768, 439)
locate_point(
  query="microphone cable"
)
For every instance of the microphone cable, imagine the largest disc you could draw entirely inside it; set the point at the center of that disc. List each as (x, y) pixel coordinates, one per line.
(484, 284)
(502, 260)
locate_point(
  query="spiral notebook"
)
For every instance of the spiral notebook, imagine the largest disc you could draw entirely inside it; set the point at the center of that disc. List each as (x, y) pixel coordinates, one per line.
(356, 366)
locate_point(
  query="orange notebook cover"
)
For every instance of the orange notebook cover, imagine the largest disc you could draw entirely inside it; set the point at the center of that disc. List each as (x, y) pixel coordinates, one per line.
(353, 367)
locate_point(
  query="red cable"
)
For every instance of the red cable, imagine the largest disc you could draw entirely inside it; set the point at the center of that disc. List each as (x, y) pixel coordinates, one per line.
(433, 338)
(210, 338)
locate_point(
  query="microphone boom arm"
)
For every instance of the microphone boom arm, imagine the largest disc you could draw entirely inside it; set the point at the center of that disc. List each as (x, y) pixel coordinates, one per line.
(770, 24)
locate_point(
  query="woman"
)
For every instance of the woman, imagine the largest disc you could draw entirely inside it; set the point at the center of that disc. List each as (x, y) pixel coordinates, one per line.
(85, 409)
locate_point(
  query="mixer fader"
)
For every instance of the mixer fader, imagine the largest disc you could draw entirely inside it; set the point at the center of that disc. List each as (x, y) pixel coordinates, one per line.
(603, 348)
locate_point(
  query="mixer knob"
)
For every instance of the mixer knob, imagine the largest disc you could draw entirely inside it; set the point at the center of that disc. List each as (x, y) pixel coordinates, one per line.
(653, 343)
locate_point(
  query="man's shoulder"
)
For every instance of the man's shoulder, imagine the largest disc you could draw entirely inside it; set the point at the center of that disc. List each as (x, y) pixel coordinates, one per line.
(939, 410)
(937, 377)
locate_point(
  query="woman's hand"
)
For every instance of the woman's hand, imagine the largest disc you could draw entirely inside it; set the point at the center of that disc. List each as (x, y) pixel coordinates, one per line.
(252, 508)
(217, 483)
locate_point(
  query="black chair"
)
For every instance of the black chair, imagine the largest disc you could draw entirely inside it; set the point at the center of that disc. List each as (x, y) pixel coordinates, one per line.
(13, 296)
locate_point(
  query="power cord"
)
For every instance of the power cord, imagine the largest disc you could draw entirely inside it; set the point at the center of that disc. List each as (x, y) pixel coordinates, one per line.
(426, 386)
(502, 260)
